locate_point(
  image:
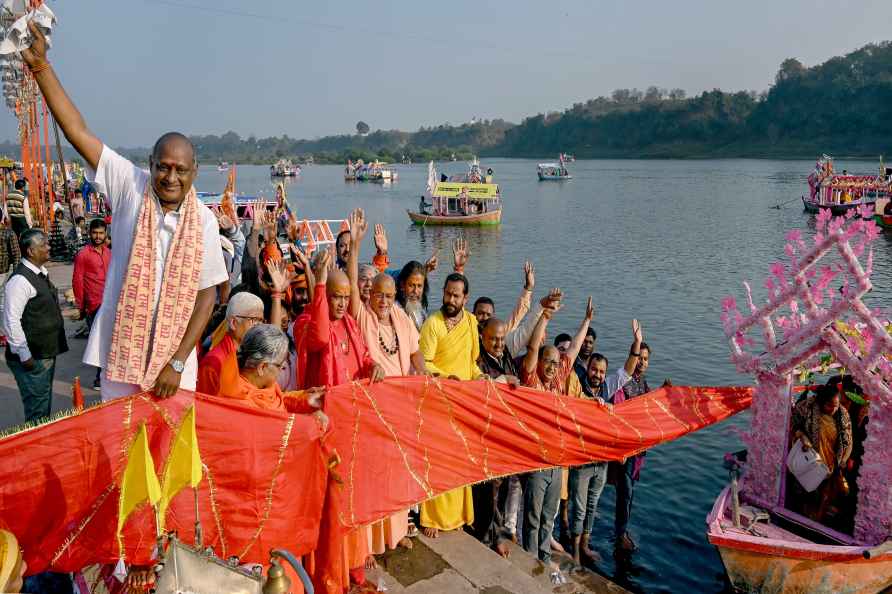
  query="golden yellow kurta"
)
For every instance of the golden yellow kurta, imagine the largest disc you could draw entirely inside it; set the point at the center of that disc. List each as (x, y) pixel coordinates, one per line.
(450, 352)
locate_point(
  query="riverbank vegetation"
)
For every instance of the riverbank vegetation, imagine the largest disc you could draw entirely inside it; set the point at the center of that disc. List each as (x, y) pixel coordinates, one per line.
(842, 107)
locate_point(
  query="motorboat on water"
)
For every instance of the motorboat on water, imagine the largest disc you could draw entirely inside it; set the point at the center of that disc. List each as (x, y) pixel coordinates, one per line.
(223, 166)
(375, 172)
(284, 168)
(470, 199)
(553, 171)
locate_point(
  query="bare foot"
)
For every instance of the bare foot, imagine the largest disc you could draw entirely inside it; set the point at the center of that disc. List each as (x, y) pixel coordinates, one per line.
(503, 550)
(431, 532)
(405, 542)
(589, 552)
(139, 580)
(370, 562)
(514, 537)
(556, 546)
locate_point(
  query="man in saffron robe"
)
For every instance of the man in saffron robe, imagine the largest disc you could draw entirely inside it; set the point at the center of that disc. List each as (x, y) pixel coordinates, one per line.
(392, 340)
(218, 370)
(332, 351)
(450, 344)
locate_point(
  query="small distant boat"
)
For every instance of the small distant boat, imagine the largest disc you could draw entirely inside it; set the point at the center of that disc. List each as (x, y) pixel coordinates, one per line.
(223, 167)
(553, 171)
(284, 168)
(464, 200)
(844, 192)
(376, 172)
(567, 158)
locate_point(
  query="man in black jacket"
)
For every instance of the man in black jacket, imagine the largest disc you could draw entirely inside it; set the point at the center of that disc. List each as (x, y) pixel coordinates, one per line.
(34, 326)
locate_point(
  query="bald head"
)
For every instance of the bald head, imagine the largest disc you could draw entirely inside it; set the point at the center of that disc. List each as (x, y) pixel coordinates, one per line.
(337, 290)
(337, 278)
(383, 282)
(172, 140)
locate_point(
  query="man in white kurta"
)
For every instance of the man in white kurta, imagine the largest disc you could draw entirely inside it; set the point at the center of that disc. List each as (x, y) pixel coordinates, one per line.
(124, 183)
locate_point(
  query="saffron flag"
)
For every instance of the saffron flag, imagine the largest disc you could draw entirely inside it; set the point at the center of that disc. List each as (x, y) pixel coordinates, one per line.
(183, 466)
(140, 483)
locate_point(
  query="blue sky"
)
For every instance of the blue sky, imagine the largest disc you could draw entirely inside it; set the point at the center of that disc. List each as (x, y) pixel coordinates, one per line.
(137, 68)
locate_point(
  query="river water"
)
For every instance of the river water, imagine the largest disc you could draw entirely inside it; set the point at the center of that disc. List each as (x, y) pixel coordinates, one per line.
(661, 241)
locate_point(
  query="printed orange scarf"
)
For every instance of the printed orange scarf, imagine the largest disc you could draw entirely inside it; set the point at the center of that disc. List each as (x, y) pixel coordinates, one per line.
(144, 338)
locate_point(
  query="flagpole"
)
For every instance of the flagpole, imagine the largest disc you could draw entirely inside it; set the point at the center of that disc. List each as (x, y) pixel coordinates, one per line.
(198, 535)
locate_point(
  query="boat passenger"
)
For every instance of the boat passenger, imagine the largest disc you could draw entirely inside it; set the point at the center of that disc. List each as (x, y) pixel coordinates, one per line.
(423, 206)
(412, 290)
(820, 423)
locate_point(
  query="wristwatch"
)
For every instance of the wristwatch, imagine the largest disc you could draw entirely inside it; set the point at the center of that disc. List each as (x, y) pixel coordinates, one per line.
(177, 366)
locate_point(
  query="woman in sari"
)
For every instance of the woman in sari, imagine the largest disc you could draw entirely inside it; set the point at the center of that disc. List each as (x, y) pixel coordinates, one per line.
(820, 423)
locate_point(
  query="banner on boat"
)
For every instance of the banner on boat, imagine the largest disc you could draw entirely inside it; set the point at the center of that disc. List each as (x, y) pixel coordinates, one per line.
(266, 474)
(475, 191)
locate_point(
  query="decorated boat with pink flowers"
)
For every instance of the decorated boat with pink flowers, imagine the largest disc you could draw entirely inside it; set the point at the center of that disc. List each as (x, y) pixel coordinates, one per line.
(813, 510)
(842, 192)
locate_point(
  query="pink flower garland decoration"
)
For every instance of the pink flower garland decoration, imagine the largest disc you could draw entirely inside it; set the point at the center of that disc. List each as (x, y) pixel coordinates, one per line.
(822, 300)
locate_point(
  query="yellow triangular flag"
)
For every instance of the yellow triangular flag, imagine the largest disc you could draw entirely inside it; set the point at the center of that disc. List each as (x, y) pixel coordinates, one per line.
(140, 483)
(183, 467)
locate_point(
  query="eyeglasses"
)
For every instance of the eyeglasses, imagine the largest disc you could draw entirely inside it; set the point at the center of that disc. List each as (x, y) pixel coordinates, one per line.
(250, 318)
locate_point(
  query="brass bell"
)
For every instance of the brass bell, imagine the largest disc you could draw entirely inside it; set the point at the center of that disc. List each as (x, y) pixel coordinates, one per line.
(276, 580)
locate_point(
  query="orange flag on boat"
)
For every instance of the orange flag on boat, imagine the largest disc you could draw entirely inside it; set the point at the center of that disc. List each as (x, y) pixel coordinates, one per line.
(183, 467)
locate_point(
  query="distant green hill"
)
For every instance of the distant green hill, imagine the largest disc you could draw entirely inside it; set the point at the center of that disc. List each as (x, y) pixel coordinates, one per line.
(843, 106)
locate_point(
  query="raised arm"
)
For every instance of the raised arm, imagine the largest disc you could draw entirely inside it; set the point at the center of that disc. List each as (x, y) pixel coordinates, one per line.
(64, 111)
(280, 280)
(573, 351)
(319, 334)
(525, 299)
(460, 254)
(531, 359)
(518, 338)
(635, 350)
(300, 257)
(358, 228)
(381, 261)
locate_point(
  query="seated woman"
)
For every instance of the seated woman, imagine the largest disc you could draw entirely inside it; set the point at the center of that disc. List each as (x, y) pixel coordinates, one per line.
(261, 355)
(820, 423)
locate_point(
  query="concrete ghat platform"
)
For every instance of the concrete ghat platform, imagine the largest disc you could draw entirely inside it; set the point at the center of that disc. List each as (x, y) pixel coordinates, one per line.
(455, 563)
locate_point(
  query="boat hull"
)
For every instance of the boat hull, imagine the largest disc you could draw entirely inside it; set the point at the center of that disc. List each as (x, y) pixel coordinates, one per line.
(884, 221)
(475, 220)
(771, 564)
(836, 209)
(554, 177)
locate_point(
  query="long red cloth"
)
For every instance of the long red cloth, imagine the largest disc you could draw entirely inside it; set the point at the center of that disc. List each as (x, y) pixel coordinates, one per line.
(399, 442)
(409, 439)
